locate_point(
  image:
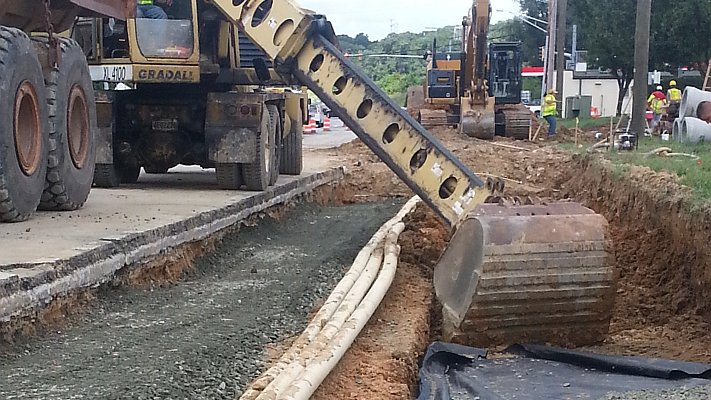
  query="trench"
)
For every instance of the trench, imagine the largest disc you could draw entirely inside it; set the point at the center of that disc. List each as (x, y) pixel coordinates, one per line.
(206, 336)
(662, 302)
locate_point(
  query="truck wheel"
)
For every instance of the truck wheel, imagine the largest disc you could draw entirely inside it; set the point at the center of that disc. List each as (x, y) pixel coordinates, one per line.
(229, 175)
(112, 175)
(275, 131)
(291, 161)
(72, 122)
(258, 173)
(23, 127)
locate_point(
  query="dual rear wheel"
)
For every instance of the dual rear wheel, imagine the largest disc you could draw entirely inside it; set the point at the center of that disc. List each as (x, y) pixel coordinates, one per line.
(47, 119)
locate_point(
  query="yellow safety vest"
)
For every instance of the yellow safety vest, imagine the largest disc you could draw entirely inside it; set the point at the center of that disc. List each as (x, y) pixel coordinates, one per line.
(549, 105)
(674, 94)
(145, 2)
(655, 104)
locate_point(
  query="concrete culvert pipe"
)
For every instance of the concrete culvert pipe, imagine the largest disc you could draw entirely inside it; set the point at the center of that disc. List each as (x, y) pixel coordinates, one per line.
(694, 130)
(676, 128)
(690, 101)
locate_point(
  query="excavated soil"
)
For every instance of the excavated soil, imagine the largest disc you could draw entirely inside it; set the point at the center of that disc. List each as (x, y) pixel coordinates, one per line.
(661, 253)
(663, 304)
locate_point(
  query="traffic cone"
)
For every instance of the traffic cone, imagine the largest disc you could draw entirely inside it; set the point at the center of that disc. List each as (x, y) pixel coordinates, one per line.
(310, 127)
(327, 124)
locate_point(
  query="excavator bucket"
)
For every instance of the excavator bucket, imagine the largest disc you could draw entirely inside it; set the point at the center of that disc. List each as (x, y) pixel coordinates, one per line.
(526, 274)
(478, 120)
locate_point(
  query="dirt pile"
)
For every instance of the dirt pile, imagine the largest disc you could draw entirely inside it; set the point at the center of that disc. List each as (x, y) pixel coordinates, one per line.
(529, 169)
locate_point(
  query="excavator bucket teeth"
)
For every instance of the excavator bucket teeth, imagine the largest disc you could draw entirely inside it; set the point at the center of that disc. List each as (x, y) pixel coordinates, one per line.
(526, 274)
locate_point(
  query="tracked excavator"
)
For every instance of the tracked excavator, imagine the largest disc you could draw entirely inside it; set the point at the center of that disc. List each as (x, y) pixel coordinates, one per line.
(514, 270)
(478, 88)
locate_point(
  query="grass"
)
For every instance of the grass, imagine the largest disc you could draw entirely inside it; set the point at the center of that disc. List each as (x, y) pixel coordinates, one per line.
(695, 174)
(586, 123)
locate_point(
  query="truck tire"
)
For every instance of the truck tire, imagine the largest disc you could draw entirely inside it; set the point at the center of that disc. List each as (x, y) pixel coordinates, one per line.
(112, 175)
(291, 161)
(229, 175)
(72, 122)
(257, 174)
(275, 129)
(24, 130)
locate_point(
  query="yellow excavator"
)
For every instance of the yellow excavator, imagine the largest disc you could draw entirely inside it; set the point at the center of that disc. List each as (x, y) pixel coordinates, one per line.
(477, 88)
(514, 270)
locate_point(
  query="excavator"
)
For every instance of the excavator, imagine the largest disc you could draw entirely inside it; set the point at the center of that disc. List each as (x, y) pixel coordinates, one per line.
(515, 269)
(477, 88)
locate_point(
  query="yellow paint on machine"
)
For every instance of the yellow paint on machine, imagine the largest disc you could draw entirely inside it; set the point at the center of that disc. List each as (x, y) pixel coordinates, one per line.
(166, 74)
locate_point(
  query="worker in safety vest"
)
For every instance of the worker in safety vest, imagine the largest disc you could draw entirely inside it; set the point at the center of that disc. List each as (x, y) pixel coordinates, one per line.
(674, 99)
(150, 9)
(656, 103)
(549, 111)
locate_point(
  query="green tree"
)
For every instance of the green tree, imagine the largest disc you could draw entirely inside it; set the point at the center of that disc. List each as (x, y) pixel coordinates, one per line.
(607, 32)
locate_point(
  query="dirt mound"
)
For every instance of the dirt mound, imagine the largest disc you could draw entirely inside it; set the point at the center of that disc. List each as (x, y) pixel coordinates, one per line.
(528, 168)
(663, 258)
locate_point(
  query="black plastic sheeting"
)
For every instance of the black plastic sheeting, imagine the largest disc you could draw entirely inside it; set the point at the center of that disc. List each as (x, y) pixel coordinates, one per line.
(451, 371)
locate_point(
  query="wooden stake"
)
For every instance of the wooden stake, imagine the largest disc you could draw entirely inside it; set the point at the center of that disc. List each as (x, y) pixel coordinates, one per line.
(530, 131)
(537, 131)
(577, 122)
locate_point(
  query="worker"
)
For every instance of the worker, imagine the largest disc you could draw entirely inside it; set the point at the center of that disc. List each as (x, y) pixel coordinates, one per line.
(703, 111)
(674, 99)
(151, 9)
(656, 103)
(549, 111)
(673, 94)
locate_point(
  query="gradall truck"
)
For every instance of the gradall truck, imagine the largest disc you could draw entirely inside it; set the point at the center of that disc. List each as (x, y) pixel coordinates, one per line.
(511, 272)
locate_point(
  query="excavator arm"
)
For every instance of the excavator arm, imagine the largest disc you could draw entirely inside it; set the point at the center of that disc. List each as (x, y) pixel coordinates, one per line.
(477, 107)
(298, 42)
(524, 273)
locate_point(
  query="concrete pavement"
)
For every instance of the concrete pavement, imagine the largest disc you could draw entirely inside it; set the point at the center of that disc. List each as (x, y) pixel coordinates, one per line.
(54, 253)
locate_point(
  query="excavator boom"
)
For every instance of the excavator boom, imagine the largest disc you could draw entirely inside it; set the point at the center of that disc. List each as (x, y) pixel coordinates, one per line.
(489, 292)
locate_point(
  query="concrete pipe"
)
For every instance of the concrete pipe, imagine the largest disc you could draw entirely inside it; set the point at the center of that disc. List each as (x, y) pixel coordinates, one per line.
(676, 134)
(690, 101)
(694, 130)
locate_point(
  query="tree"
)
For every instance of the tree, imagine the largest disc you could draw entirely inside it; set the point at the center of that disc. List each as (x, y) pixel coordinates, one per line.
(607, 31)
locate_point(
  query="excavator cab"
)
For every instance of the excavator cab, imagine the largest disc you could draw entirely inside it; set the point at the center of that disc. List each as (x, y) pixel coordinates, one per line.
(505, 74)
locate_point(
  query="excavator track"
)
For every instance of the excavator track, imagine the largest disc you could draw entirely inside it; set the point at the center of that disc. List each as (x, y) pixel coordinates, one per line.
(432, 118)
(540, 274)
(513, 121)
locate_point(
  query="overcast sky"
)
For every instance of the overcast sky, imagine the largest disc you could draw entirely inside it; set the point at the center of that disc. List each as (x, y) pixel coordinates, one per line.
(375, 17)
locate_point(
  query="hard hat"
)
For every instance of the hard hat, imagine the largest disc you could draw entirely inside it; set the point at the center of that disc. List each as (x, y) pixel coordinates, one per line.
(672, 83)
(552, 91)
(660, 87)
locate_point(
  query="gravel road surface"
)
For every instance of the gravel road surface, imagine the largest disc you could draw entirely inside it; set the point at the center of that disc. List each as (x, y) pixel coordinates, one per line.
(694, 393)
(203, 338)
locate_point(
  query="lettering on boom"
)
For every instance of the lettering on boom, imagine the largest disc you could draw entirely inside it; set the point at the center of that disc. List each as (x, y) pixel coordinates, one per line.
(165, 75)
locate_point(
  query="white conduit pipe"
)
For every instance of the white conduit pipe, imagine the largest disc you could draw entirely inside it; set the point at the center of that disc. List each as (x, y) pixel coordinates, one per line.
(330, 306)
(349, 304)
(320, 367)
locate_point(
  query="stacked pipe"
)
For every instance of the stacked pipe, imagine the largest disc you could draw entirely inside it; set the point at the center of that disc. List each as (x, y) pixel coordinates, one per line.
(688, 128)
(300, 371)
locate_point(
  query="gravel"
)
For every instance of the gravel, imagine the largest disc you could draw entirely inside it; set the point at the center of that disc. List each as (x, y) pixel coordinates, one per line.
(693, 393)
(204, 338)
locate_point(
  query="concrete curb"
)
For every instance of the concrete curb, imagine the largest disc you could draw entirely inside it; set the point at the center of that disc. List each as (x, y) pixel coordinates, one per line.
(24, 287)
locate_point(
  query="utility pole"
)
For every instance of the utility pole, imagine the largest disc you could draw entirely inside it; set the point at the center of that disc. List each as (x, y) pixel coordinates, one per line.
(641, 65)
(560, 45)
(550, 57)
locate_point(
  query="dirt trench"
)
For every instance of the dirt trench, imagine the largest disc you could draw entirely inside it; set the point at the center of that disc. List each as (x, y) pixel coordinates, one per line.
(660, 250)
